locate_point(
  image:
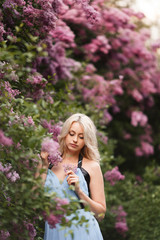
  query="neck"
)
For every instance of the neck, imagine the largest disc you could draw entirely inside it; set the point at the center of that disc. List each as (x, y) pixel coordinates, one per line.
(71, 156)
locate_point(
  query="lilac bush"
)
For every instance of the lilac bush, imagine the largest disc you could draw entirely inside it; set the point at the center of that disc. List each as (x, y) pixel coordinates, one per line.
(113, 176)
(51, 146)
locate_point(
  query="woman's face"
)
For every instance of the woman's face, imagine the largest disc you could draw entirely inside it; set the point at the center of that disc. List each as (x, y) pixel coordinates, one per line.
(75, 138)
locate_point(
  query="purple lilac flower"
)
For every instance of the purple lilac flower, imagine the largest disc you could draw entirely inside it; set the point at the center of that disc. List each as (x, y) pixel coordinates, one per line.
(121, 227)
(53, 128)
(68, 167)
(9, 173)
(30, 121)
(4, 235)
(113, 176)
(121, 224)
(61, 202)
(5, 141)
(51, 146)
(31, 230)
(52, 219)
(13, 3)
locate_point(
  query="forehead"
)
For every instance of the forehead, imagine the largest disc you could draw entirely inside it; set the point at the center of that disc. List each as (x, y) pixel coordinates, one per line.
(76, 127)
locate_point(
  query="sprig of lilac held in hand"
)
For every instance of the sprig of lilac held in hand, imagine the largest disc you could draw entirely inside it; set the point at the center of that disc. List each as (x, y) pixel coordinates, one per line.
(68, 167)
(51, 146)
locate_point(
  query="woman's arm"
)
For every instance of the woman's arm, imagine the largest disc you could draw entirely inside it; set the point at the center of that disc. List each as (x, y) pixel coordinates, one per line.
(97, 201)
(43, 165)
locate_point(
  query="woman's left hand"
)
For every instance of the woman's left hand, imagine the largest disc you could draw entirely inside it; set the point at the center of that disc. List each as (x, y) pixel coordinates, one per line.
(73, 179)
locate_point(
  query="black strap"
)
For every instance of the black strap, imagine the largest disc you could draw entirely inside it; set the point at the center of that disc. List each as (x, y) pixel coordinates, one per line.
(80, 161)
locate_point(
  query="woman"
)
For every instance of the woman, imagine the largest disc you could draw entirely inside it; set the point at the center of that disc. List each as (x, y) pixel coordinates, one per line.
(78, 146)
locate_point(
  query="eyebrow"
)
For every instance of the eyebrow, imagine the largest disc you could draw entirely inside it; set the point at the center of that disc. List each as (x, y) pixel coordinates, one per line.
(75, 132)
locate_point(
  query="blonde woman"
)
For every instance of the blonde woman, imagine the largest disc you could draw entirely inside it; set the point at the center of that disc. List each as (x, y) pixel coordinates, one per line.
(78, 146)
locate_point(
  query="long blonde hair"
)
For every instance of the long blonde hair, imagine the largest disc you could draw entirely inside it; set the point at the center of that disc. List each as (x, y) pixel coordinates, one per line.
(90, 150)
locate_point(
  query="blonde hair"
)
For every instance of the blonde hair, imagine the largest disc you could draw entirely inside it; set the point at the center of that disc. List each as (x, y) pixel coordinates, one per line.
(90, 150)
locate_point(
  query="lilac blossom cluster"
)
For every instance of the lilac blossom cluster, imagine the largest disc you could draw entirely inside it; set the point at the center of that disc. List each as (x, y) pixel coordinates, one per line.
(25, 121)
(52, 148)
(103, 138)
(31, 230)
(113, 176)
(127, 47)
(137, 117)
(68, 167)
(5, 141)
(54, 128)
(4, 235)
(54, 219)
(121, 223)
(12, 175)
(7, 88)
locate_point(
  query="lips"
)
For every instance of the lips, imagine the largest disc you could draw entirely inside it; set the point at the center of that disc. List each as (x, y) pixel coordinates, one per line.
(73, 145)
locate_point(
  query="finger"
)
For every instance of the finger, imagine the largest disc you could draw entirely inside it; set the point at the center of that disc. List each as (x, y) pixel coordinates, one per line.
(72, 180)
(70, 172)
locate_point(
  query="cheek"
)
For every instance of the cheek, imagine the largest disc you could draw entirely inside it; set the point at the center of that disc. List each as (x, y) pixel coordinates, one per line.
(67, 139)
(82, 143)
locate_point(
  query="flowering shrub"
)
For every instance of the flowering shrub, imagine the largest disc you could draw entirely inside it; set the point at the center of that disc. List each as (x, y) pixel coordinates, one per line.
(113, 176)
(51, 146)
(61, 57)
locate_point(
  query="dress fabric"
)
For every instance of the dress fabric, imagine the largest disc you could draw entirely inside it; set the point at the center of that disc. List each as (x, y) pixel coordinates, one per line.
(93, 232)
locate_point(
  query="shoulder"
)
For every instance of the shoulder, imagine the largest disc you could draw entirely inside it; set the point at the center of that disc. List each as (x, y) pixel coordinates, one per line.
(91, 166)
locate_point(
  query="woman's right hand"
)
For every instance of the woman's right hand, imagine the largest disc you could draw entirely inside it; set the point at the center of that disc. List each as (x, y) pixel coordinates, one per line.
(44, 157)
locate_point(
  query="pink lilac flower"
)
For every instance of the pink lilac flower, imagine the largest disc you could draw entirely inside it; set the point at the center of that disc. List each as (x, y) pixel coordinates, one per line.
(53, 219)
(145, 149)
(7, 87)
(4, 235)
(90, 68)
(127, 136)
(59, 7)
(91, 14)
(68, 167)
(12, 4)
(63, 33)
(5, 141)
(107, 117)
(103, 137)
(51, 146)
(147, 87)
(30, 121)
(138, 152)
(121, 227)
(31, 230)
(113, 176)
(120, 224)
(138, 117)
(2, 31)
(53, 128)
(9, 172)
(36, 79)
(60, 203)
(137, 95)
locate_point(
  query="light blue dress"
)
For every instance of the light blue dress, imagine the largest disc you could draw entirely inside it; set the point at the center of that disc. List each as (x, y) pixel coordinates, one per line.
(53, 184)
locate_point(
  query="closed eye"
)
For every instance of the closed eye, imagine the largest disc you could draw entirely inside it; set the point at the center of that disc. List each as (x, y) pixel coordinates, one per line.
(71, 134)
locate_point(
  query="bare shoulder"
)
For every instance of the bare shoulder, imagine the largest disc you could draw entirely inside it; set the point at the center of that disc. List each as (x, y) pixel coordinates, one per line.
(91, 166)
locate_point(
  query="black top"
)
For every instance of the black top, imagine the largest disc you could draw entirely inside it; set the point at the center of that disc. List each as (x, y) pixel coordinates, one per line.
(85, 173)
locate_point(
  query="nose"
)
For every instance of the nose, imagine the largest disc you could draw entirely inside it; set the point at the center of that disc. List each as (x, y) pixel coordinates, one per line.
(75, 138)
